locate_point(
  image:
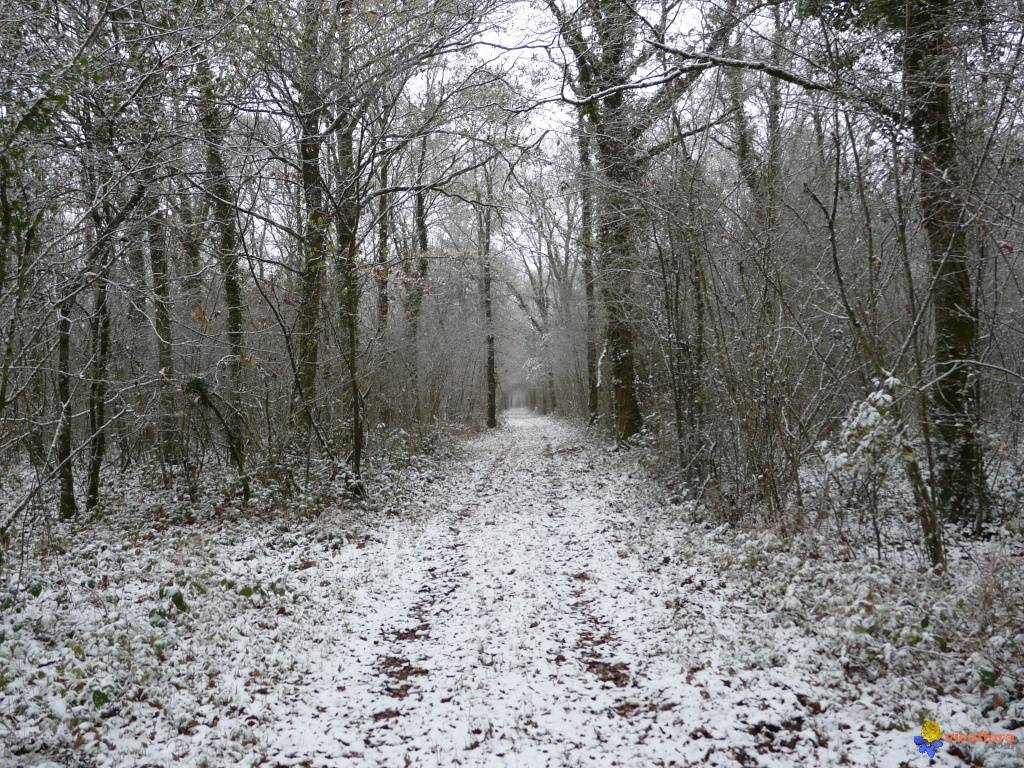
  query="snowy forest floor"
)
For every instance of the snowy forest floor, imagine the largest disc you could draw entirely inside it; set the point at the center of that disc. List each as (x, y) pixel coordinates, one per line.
(534, 603)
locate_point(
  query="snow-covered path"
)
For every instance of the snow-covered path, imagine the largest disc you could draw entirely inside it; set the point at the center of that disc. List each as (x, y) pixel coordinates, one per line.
(533, 615)
(518, 621)
(525, 606)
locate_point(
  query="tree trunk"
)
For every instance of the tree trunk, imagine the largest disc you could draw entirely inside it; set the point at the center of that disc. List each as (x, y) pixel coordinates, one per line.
(927, 74)
(8, 221)
(382, 276)
(615, 232)
(382, 267)
(155, 232)
(347, 232)
(307, 323)
(417, 277)
(221, 196)
(618, 212)
(98, 388)
(68, 507)
(697, 395)
(190, 218)
(484, 236)
(21, 292)
(587, 252)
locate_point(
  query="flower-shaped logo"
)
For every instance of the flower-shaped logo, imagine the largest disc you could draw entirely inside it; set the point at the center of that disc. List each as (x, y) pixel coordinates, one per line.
(930, 739)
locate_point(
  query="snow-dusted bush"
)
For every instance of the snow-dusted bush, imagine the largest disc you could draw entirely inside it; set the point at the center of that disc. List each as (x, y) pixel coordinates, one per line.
(870, 437)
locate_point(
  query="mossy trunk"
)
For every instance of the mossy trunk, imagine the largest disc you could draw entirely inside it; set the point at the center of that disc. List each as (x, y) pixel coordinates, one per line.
(927, 70)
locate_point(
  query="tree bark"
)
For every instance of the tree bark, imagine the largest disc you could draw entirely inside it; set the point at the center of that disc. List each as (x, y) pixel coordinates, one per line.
(927, 74)
(307, 323)
(382, 267)
(68, 506)
(100, 329)
(156, 236)
(191, 247)
(347, 231)
(8, 218)
(617, 214)
(221, 195)
(587, 257)
(417, 277)
(484, 237)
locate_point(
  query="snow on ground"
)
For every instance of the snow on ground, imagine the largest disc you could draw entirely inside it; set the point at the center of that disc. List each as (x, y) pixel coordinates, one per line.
(534, 604)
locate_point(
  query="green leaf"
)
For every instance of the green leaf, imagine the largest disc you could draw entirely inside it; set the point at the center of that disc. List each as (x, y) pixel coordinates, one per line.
(99, 697)
(925, 622)
(989, 677)
(246, 591)
(179, 601)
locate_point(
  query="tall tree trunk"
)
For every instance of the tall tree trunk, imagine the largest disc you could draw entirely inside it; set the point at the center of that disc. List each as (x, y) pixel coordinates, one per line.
(382, 266)
(221, 194)
(697, 395)
(417, 277)
(100, 329)
(68, 507)
(484, 239)
(190, 218)
(927, 75)
(8, 219)
(381, 276)
(307, 323)
(21, 294)
(616, 218)
(347, 232)
(677, 354)
(156, 236)
(134, 254)
(587, 254)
